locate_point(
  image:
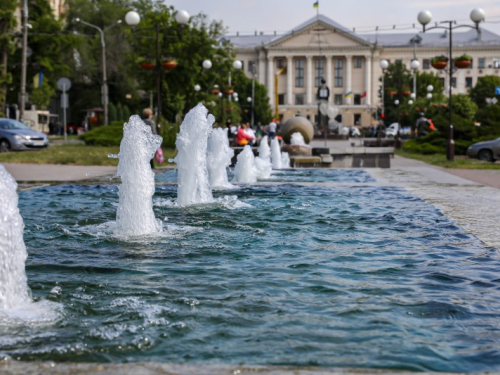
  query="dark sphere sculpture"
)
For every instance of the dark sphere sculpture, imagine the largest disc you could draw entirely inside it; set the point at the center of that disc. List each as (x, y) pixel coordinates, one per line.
(300, 125)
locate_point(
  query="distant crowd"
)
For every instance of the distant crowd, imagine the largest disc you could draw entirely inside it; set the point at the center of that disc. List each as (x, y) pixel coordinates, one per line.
(245, 134)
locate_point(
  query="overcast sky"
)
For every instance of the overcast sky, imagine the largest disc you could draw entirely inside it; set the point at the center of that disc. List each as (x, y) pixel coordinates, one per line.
(246, 16)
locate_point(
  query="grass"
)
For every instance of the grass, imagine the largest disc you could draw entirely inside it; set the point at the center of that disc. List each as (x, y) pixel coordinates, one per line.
(71, 155)
(460, 162)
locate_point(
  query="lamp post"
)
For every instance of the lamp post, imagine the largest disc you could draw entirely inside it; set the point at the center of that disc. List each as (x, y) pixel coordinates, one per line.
(104, 90)
(133, 18)
(384, 64)
(424, 17)
(397, 141)
(22, 99)
(414, 66)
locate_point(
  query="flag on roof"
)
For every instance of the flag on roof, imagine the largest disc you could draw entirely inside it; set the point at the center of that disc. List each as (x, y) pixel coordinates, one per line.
(316, 4)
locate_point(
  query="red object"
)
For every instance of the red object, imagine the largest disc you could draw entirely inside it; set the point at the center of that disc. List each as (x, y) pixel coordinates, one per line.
(159, 156)
(382, 115)
(169, 65)
(241, 135)
(462, 64)
(215, 92)
(406, 93)
(439, 64)
(147, 65)
(363, 96)
(228, 91)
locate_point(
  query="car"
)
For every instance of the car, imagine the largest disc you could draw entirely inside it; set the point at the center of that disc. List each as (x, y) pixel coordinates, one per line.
(392, 130)
(488, 151)
(14, 135)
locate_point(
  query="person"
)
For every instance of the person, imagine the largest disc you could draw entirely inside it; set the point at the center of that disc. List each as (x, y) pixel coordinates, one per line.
(52, 128)
(250, 132)
(243, 138)
(147, 117)
(271, 132)
(421, 125)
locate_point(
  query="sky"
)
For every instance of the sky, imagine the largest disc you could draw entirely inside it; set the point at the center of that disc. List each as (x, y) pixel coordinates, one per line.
(248, 16)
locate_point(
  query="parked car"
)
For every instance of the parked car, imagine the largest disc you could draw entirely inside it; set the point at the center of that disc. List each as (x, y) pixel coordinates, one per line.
(488, 151)
(14, 135)
(392, 130)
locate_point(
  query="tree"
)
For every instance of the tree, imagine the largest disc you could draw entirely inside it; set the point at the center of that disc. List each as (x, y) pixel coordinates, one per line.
(112, 113)
(485, 88)
(7, 47)
(41, 95)
(396, 78)
(126, 113)
(119, 112)
(464, 107)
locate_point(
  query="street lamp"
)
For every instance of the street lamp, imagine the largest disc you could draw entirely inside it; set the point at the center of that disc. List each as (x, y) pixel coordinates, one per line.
(424, 17)
(384, 64)
(132, 18)
(397, 140)
(414, 65)
(105, 94)
(197, 88)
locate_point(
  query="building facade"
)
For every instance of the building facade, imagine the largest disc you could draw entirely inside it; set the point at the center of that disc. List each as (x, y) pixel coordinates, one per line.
(292, 65)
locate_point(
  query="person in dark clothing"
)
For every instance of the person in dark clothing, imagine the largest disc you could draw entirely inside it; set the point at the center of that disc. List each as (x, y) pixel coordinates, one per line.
(147, 117)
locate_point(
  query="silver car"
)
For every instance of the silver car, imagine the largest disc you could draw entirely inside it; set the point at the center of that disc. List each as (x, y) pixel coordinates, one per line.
(14, 135)
(488, 151)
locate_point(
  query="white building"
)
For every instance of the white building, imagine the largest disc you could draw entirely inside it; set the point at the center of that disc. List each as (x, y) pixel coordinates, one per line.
(349, 62)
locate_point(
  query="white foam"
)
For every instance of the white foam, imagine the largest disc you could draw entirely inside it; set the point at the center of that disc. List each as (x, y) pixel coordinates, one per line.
(219, 157)
(245, 171)
(276, 154)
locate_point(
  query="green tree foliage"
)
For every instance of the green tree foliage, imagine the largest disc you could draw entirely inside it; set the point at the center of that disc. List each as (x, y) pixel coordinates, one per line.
(112, 113)
(485, 88)
(464, 107)
(119, 112)
(489, 119)
(41, 95)
(7, 47)
(126, 113)
(425, 79)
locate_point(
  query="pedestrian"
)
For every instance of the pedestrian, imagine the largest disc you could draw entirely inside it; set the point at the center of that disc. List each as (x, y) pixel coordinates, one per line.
(271, 129)
(243, 138)
(147, 117)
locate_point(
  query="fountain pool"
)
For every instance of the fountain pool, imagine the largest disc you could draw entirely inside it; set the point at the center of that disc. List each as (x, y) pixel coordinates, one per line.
(328, 274)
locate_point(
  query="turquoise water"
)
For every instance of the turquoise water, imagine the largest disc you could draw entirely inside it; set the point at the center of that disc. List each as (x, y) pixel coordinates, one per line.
(361, 275)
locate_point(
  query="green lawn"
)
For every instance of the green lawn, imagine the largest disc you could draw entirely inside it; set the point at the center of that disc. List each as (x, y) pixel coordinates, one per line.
(71, 154)
(460, 162)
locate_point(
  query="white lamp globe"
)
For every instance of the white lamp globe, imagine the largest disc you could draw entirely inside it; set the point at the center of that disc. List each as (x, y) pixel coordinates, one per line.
(414, 64)
(430, 88)
(396, 102)
(220, 95)
(237, 64)
(429, 96)
(424, 17)
(413, 95)
(132, 18)
(235, 94)
(207, 64)
(236, 99)
(477, 15)
(182, 17)
(384, 64)
(249, 99)
(197, 88)
(410, 102)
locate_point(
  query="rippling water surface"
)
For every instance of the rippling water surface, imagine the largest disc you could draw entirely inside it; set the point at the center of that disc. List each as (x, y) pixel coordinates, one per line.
(361, 276)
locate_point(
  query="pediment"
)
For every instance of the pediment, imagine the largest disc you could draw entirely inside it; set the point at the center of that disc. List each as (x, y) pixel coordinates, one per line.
(317, 35)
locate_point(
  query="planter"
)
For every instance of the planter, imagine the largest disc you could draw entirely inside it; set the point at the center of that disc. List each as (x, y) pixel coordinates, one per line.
(147, 65)
(169, 64)
(406, 93)
(215, 92)
(462, 64)
(435, 105)
(228, 91)
(439, 64)
(392, 93)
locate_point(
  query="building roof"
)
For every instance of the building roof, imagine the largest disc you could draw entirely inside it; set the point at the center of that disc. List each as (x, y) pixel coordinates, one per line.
(430, 39)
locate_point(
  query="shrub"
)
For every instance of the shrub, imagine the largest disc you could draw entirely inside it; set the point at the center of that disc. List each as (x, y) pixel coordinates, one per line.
(110, 135)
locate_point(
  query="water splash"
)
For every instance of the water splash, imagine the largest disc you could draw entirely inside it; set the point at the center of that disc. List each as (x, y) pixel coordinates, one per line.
(263, 161)
(13, 280)
(285, 160)
(245, 171)
(276, 154)
(135, 215)
(298, 139)
(193, 184)
(16, 305)
(219, 157)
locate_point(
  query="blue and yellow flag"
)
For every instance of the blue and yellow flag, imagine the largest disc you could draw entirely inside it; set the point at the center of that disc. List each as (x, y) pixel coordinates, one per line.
(316, 4)
(349, 94)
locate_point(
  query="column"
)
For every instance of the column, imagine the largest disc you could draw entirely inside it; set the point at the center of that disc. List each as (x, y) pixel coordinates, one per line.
(290, 69)
(262, 67)
(270, 80)
(309, 80)
(368, 87)
(329, 76)
(348, 78)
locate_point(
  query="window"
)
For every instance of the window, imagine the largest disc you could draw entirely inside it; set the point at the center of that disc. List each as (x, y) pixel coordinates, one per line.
(454, 82)
(399, 61)
(280, 63)
(358, 63)
(251, 67)
(319, 72)
(468, 81)
(471, 64)
(299, 99)
(357, 119)
(357, 99)
(242, 65)
(299, 74)
(442, 82)
(426, 64)
(338, 99)
(281, 99)
(481, 63)
(339, 73)
(496, 63)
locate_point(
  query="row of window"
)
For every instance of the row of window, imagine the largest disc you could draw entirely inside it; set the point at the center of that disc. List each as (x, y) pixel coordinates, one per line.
(481, 63)
(338, 99)
(319, 72)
